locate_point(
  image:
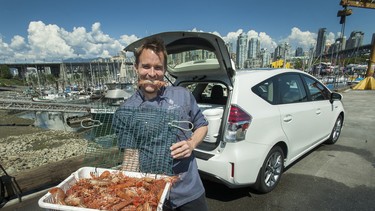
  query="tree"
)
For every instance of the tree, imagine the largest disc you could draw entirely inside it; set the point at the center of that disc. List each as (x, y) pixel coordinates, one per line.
(51, 79)
(298, 64)
(5, 72)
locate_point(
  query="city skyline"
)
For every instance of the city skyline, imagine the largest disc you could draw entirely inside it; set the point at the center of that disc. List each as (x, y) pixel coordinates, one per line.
(40, 31)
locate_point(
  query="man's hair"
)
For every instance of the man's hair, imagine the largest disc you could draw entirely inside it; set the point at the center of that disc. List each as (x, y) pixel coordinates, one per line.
(155, 44)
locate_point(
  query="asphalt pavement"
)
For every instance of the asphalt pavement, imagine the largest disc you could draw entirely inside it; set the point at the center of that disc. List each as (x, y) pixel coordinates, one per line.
(331, 177)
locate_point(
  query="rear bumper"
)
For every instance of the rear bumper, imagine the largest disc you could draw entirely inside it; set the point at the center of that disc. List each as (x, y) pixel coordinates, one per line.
(213, 178)
(237, 165)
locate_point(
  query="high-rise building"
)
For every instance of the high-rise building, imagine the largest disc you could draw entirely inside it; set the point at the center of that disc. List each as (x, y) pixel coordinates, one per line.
(281, 52)
(230, 47)
(299, 52)
(265, 57)
(342, 42)
(339, 45)
(241, 50)
(355, 40)
(254, 48)
(277, 54)
(321, 42)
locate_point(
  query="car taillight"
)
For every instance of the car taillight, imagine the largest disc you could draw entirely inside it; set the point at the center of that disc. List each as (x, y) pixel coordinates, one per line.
(238, 122)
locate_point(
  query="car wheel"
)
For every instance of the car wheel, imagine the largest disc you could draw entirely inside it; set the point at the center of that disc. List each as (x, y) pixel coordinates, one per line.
(336, 131)
(270, 173)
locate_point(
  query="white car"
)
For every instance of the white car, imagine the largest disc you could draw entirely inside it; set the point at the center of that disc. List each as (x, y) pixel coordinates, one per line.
(260, 120)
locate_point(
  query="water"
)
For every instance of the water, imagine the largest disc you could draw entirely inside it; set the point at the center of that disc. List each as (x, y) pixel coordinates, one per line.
(51, 120)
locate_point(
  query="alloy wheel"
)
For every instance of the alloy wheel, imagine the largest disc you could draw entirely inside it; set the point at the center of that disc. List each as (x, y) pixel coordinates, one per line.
(337, 129)
(273, 169)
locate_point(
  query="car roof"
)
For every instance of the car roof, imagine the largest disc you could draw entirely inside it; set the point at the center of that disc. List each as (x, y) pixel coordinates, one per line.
(214, 64)
(259, 74)
(268, 71)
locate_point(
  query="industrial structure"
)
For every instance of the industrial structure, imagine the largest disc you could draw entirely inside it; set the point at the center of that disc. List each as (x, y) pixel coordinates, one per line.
(369, 82)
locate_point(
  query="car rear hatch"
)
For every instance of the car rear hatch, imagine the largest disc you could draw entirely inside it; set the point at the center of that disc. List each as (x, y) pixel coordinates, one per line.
(194, 56)
(198, 61)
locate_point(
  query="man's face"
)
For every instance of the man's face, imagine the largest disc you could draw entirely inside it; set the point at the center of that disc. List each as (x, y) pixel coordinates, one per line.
(150, 67)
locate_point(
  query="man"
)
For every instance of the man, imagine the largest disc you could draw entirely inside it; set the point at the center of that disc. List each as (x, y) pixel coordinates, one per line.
(150, 63)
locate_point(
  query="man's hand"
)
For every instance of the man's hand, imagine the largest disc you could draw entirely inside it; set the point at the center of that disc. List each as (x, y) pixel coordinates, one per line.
(182, 149)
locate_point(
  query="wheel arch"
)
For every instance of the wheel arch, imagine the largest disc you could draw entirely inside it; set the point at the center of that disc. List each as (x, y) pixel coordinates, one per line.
(284, 147)
(342, 114)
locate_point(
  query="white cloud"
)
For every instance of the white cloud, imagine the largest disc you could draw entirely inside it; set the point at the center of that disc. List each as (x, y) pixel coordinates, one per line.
(298, 38)
(98, 36)
(331, 38)
(252, 34)
(127, 39)
(232, 36)
(47, 40)
(196, 30)
(50, 42)
(266, 41)
(18, 43)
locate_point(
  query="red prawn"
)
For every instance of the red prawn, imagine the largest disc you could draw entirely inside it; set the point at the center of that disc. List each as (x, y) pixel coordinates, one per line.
(58, 195)
(157, 83)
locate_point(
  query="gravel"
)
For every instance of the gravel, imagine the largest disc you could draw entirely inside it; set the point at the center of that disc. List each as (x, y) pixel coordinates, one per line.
(25, 147)
(28, 151)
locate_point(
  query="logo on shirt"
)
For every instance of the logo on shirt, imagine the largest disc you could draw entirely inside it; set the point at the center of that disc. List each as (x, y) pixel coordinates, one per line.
(172, 105)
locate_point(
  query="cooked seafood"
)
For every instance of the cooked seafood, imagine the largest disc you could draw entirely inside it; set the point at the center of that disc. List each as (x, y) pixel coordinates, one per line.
(113, 191)
(58, 195)
(157, 83)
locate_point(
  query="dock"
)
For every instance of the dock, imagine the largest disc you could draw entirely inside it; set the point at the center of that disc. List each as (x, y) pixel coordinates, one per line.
(11, 104)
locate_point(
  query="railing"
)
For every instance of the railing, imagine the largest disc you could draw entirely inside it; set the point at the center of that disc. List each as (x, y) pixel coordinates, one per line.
(11, 104)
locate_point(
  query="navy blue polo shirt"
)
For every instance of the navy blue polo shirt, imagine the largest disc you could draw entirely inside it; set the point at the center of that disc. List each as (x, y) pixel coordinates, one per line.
(179, 100)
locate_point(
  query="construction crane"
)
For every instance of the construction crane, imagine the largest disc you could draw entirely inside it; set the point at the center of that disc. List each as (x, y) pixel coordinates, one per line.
(369, 81)
(358, 3)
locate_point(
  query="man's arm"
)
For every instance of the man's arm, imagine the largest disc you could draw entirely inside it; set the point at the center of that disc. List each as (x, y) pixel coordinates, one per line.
(131, 160)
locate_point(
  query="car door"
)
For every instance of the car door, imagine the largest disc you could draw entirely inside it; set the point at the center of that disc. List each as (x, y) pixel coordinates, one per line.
(296, 114)
(324, 115)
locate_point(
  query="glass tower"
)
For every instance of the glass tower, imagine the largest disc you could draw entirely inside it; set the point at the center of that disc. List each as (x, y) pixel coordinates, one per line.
(321, 42)
(241, 50)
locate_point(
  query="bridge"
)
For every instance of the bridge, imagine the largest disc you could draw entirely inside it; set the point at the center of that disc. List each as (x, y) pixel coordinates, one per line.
(347, 53)
(91, 72)
(24, 105)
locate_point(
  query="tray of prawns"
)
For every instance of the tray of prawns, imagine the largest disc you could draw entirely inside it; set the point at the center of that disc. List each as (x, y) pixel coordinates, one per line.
(91, 188)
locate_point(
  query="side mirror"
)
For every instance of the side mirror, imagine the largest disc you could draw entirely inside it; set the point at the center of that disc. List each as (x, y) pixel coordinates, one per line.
(335, 96)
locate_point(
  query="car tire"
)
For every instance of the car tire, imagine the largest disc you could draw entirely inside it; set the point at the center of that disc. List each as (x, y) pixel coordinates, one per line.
(336, 131)
(270, 173)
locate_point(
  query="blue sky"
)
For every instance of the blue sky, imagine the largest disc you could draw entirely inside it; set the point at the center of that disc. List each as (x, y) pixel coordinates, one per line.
(35, 29)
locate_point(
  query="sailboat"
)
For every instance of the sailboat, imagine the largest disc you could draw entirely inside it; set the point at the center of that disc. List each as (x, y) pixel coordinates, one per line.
(117, 92)
(121, 89)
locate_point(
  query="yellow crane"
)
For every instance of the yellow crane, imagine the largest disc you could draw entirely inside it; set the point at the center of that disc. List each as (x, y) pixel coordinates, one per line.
(369, 82)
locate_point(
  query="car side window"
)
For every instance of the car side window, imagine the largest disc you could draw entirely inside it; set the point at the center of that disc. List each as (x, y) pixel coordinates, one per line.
(316, 89)
(290, 89)
(265, 90)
